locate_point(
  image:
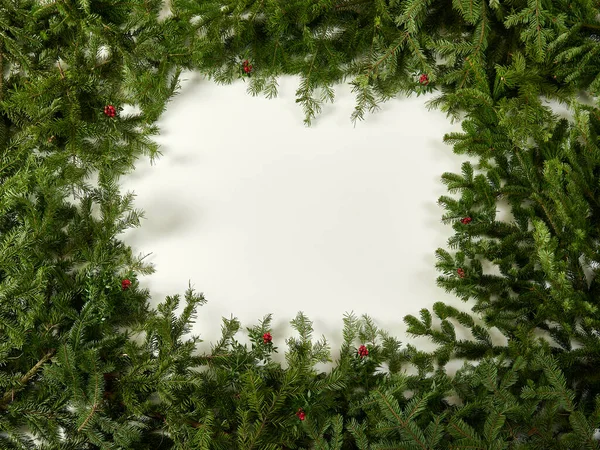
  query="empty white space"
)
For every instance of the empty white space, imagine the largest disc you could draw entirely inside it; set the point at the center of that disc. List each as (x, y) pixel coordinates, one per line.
(264, 215)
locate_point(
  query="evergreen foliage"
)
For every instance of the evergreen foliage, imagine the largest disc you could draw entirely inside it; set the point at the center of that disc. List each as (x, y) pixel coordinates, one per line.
(86, 364)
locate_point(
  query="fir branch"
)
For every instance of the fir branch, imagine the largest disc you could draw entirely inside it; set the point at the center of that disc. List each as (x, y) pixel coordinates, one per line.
(9, 396)
(403, 423)
(389, 53)
(88, 418)
(1, 72)
(265, 415)
(350, 5)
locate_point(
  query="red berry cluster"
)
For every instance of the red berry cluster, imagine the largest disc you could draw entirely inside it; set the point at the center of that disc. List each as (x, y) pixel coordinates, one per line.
(466, 220)
(424, 79)
(460, 272)
(246, 66)
(125, 284)
(110, 111)
(267, 338)
(363, 351)
(301, 414)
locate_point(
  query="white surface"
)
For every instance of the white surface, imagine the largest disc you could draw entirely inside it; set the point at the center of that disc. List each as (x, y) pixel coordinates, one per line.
(265, 215)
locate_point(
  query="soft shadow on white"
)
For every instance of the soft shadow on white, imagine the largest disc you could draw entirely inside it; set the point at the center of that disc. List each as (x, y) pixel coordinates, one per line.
(264, 215)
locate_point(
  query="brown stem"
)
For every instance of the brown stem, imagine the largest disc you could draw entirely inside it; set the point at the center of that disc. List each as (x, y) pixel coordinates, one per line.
(87, 418)
(62, 73)
(10, 395)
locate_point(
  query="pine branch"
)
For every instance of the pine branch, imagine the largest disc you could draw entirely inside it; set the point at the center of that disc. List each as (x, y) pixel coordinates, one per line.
(9, 396)
(89, 416)
(403, 423)
(1, 71)
(349, 5)
(266, 415)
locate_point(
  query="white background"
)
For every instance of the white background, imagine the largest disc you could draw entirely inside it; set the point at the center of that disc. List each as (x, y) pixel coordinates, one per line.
(264, 215)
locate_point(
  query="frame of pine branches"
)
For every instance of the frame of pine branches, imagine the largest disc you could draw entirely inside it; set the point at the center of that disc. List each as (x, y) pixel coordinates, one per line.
(86, 364)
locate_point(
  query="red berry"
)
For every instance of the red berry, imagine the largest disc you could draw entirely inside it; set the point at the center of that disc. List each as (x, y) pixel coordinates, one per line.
(363, 351)
(424, 79)
(267, 338)
(460, 272)
(245, 63)
(125, 284)
(466, 220)
(301, 414)
(110, 111)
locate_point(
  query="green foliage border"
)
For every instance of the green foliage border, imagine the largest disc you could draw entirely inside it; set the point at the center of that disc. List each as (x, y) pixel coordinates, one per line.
(72, 375)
